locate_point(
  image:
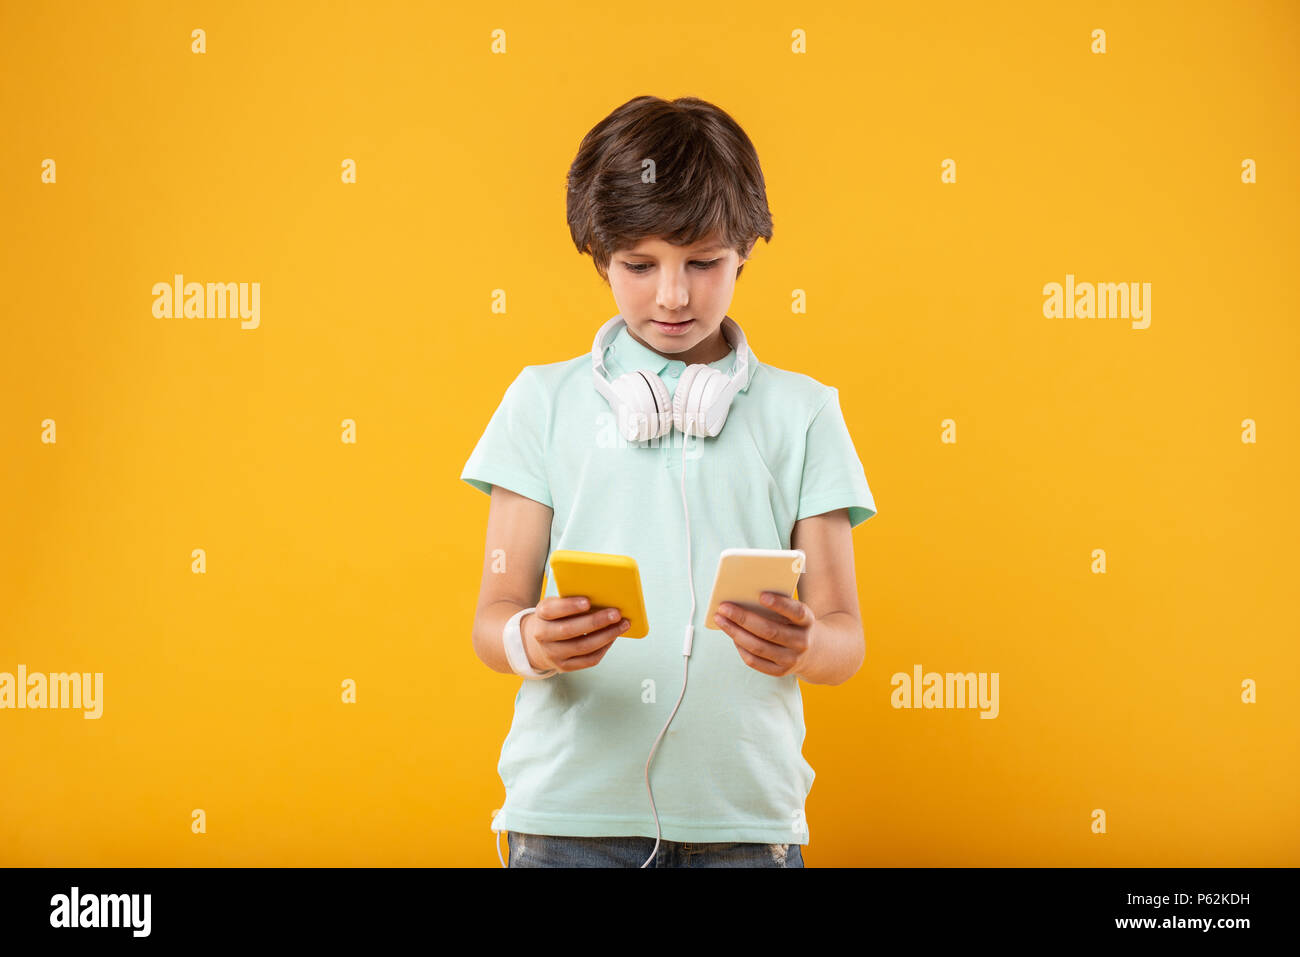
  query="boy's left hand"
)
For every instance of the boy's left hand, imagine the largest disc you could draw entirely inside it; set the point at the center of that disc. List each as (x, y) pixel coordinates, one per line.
(775, 647)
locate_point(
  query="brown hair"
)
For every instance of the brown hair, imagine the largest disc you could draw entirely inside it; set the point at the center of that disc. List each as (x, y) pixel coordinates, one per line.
(706, 179)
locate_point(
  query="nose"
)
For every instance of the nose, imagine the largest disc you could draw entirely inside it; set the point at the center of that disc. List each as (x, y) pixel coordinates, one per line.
(672, 294)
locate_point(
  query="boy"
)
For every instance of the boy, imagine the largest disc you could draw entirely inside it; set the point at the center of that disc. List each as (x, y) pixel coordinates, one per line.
(728, 776)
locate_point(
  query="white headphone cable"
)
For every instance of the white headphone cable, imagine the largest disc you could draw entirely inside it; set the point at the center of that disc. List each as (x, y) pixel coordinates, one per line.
(686, 663)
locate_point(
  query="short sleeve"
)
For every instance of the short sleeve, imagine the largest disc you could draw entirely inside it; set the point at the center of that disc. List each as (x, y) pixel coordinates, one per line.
(512, 450)
(833, 477)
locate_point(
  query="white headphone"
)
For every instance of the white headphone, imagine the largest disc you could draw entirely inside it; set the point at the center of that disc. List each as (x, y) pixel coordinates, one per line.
(640, 399)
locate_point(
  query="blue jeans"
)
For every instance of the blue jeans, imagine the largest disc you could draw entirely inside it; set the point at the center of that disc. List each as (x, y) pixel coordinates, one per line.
(544, 850)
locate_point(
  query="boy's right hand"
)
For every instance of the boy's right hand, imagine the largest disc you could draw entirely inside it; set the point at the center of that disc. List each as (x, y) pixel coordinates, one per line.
(565, 635)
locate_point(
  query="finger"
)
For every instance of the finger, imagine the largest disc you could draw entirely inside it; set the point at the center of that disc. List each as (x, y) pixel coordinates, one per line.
(574, 626)
(795, 611)
(599, 618)
(778, 655)
(761, 625)
(556, 607)
(571, 653)
(758, 647)
(760, 664)
(584, 661)
(563, 649)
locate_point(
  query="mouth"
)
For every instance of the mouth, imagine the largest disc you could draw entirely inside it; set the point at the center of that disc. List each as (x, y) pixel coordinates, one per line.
(673, 328)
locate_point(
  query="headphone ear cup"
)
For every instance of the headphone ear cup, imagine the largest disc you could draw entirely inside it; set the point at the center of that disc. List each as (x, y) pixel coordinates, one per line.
(644, 407)
(698, 388)
(681, 398)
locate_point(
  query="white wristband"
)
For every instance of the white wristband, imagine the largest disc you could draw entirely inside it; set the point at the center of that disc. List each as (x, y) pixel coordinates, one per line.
(513, 640)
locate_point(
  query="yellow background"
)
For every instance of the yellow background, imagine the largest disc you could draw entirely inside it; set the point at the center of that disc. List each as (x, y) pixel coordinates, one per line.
(327, 561)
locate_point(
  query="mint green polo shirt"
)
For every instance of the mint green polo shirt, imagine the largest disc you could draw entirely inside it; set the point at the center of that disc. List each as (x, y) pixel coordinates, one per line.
(731, 766)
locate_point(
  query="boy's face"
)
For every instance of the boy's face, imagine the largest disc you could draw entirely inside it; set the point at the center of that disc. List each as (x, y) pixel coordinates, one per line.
(656, 282)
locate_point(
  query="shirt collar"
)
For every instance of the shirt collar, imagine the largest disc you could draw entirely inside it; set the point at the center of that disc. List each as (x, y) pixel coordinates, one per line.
(632, 355)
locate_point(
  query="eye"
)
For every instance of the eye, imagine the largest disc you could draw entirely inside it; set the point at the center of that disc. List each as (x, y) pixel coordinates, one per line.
(701, 265)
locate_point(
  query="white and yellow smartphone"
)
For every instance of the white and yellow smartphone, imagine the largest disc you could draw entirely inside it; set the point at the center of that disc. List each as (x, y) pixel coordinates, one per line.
(608, 581)
(745, 573)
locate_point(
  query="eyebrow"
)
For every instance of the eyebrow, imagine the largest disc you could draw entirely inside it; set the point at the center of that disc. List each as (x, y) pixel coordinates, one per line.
(708, 249)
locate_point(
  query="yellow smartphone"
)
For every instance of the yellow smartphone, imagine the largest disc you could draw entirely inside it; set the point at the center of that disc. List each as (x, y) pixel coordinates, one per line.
(608, 581)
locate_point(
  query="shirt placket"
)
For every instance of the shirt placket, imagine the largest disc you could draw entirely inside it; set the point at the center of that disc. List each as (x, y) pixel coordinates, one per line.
(669, 453)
